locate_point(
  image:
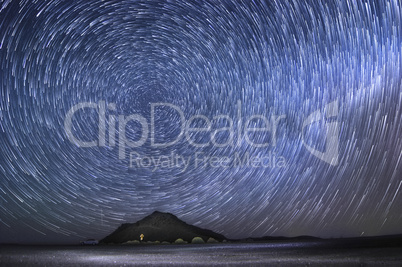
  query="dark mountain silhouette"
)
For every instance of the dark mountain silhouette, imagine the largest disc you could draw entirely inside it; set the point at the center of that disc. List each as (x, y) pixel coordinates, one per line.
(161, 227)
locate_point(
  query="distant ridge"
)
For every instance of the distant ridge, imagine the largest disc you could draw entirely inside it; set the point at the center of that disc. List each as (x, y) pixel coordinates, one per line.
(348, 242)
(276, 238)
(160, 226)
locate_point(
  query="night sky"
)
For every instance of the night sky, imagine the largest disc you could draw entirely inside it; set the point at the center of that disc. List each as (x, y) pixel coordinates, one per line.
(249, 118)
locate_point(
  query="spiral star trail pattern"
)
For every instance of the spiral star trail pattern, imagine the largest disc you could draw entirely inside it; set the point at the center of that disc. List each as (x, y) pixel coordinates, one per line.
(237, 58)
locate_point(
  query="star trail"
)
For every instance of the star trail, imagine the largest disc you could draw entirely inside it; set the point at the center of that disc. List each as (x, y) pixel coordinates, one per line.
(249, 118)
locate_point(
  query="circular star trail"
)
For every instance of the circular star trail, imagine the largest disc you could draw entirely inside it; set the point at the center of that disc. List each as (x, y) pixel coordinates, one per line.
(308, 71)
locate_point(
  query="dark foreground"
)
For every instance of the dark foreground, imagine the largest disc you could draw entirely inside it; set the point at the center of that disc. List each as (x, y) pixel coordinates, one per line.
(311, 253)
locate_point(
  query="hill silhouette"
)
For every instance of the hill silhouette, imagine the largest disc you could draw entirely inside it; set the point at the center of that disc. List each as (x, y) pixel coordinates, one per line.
(159, 226)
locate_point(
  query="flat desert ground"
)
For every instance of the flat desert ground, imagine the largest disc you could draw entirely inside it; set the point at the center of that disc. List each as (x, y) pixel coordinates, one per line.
(297, 253)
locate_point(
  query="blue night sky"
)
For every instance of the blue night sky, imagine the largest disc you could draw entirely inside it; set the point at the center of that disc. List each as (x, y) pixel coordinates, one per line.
(249, 118)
